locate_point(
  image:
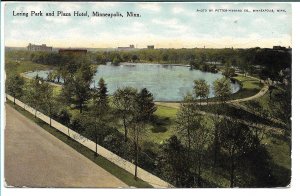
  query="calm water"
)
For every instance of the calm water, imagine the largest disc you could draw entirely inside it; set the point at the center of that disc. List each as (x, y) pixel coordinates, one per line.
(165, 82)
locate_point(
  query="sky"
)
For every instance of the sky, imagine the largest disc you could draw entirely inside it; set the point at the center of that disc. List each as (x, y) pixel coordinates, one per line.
(164, 25)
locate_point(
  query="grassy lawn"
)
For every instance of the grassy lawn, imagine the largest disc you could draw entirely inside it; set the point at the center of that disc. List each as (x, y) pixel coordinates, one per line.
(249, 87)
(279, 151)
(120, 173)
(17, 67)
(163, 127)
(266, 105)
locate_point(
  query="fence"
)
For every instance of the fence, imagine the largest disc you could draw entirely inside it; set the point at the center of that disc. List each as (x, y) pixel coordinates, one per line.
(126, 165)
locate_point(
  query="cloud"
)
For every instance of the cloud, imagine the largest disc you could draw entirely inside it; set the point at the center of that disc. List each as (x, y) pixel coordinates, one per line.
(177, 9)
(103, 5)
(57, 19)
(167, 22)
(172, 24)
(155, 7)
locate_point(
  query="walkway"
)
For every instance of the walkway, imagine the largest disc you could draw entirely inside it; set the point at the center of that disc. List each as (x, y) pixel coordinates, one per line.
(261, 93)
(35, 158)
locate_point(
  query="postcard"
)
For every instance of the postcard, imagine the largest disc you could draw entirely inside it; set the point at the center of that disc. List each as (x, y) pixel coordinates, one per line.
(147, 95)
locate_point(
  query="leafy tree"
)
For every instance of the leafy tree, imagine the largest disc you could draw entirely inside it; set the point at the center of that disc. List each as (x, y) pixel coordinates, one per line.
(64, 117)
(47, 98)
(201, 89)
(14, 86)
(146, 105)
(143, 109)
(236, 140)
(101, 98)
(134, 57)
(187, 120)
(124, 100)
(222, 89)
(229, 72)
(195, 134)
(76, 89)
(33, 93)
(116, 60)
(173, 162)
(94, 128)
(201, 139)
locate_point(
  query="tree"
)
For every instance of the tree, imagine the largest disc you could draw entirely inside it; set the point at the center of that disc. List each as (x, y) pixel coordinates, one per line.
(116, 60)
(101, 98)
(187, 121)
(14, 86)
(47, 98)
(65, 118)
(236, 141)
(143, 109)
(201, 89)
(146, 105)
(94, 128)
(229, 72)
(33, 93)
(195, 134)
(201, 139)
(76, 89)
(124, 100)
(173, 162)
(134, 58)
(222, 89)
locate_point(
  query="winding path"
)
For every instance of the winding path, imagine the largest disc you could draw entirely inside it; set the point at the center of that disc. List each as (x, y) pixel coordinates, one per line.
(261, 93)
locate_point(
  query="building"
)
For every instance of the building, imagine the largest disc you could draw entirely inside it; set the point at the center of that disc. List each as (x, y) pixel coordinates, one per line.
(72, 51)
(279, 48)
(150, 47)
(131, 47)
(43, 47)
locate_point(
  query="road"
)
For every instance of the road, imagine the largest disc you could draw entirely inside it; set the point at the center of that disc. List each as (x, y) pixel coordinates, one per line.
(35, 158)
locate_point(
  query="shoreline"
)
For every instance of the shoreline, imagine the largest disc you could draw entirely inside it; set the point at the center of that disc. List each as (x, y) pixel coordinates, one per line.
(153, 63)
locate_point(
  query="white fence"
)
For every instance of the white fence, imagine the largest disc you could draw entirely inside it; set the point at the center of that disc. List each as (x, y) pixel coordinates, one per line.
(126, 165)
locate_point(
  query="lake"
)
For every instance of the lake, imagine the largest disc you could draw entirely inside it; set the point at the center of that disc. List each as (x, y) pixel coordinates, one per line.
(165, 82)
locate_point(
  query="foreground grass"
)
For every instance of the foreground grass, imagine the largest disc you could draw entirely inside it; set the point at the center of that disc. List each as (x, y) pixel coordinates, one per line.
(118, 172)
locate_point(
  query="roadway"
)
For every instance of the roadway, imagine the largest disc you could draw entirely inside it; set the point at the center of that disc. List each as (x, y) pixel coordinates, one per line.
(35, 158)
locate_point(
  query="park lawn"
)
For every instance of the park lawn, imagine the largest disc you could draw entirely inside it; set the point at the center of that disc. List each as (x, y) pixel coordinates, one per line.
(263, 103)
(279, 151)
(248, 83)
(163, 127)
(249, 87)
(18, 67)
(164, 111)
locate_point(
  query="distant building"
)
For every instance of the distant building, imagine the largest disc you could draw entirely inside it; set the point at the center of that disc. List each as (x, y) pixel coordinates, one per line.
(72, 51)
(131, 47)
(150, 47)
(279, 48)
(43, 47)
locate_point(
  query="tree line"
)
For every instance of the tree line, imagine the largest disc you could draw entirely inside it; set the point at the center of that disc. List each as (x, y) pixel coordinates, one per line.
(271, 61)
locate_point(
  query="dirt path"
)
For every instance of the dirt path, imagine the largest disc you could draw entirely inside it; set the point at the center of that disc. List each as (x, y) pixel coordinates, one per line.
(35, 158)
